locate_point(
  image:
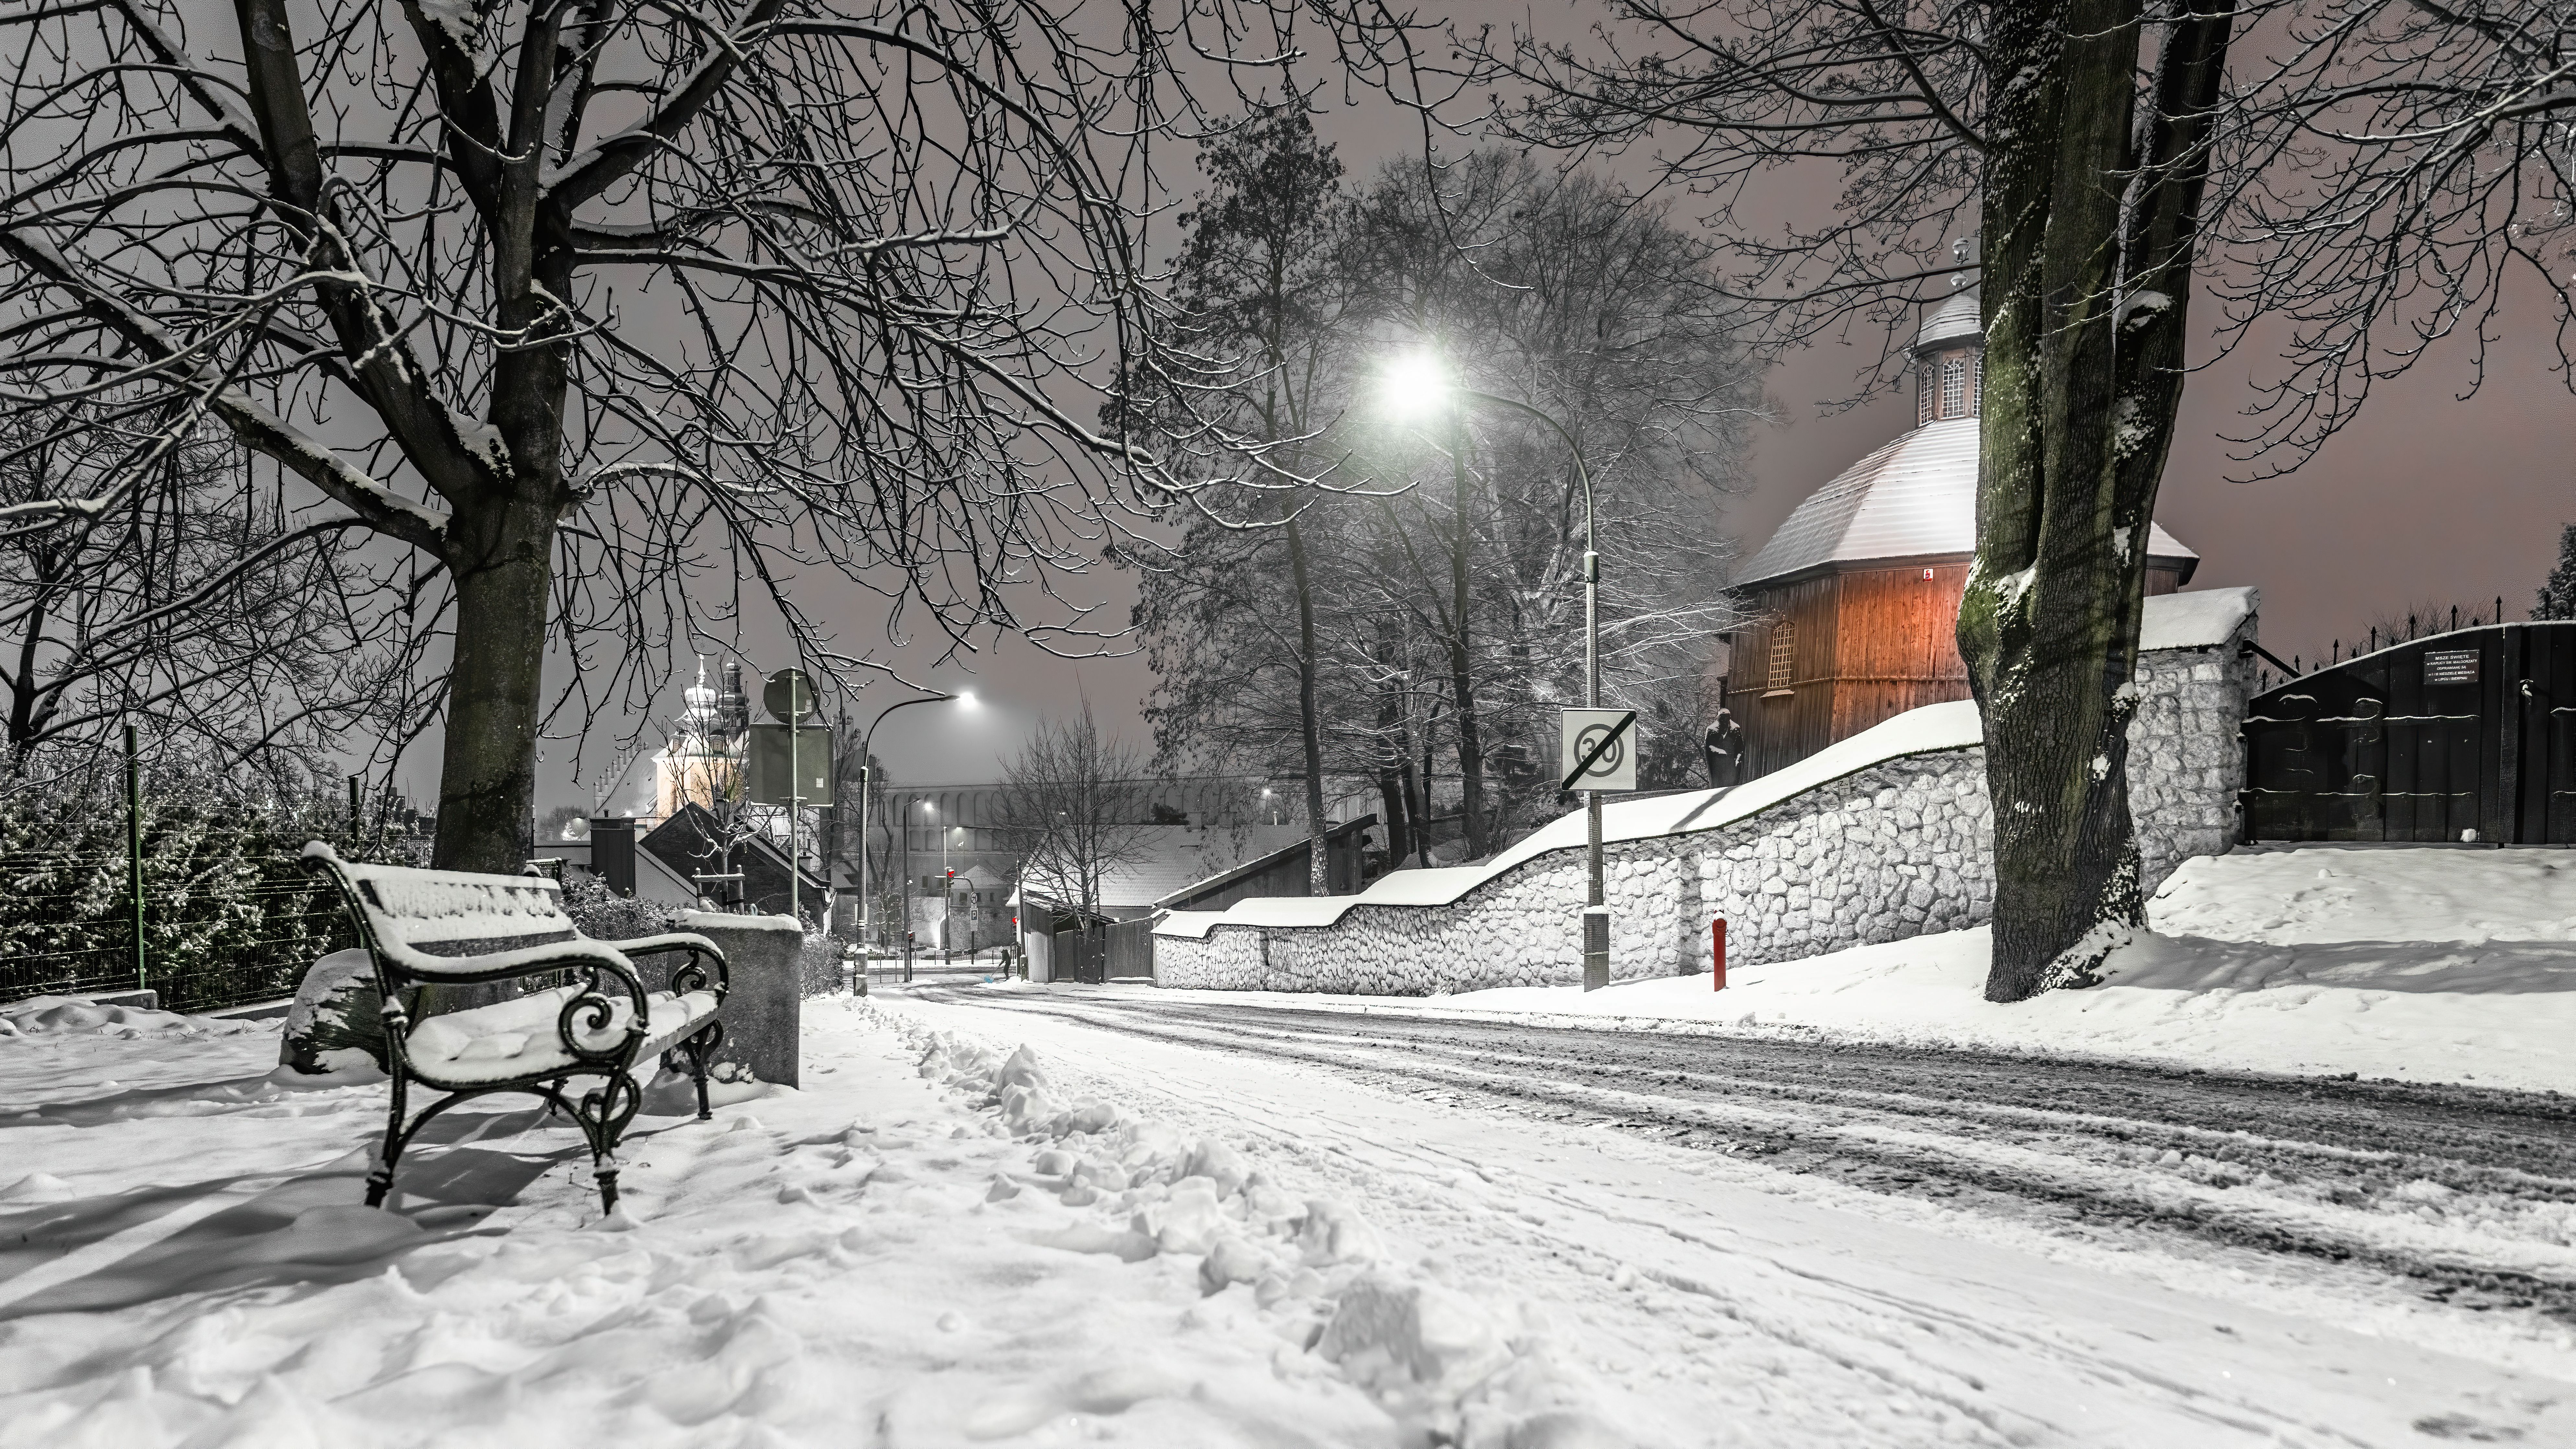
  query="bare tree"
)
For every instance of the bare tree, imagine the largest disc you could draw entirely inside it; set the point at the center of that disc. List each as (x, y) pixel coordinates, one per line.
(1375, 576)
(195, 608)
(1561, 292)
(613, 315)
(1260, 296)
(2365, 169)
(1075, 807)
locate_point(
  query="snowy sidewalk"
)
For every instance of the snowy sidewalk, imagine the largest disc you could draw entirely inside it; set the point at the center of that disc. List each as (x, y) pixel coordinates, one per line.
(945, 1240)
(904, 1254)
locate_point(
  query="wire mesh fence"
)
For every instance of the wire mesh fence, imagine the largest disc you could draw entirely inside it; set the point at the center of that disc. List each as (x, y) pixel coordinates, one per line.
(188, 888)
(227, 932)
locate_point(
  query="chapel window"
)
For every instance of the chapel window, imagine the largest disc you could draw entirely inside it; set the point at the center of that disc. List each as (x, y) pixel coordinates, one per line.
(1784, 649)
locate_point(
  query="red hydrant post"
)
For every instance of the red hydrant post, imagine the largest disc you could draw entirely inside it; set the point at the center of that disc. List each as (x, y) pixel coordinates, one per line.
(1719, 959)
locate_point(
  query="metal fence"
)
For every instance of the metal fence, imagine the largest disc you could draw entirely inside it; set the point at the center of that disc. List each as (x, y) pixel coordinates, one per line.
(68, 925)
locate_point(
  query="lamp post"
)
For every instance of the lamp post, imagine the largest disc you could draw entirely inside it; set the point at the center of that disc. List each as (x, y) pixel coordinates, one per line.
(965, 699)
(1417, 383)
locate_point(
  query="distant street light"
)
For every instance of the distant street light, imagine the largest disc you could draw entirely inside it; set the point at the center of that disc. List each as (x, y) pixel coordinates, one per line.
(1417, 384)
(965, 699)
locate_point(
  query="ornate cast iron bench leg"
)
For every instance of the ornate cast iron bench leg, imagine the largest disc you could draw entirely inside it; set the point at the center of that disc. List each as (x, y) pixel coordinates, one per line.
(700, 1049)
(380, 1178)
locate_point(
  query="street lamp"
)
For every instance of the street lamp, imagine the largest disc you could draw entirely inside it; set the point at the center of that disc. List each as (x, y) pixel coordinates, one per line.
(965, 700)
(1417, 384)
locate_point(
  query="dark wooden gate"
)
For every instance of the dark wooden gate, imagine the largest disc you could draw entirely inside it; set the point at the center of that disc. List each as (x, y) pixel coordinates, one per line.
(1128, 950)
(2470, 731)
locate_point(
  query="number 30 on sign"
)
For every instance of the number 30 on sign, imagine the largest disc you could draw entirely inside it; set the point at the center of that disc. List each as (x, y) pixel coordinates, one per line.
(1600, 749)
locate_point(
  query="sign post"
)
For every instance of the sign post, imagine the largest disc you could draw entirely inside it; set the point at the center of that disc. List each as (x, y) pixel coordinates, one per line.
(1600, 754)
(790, 697)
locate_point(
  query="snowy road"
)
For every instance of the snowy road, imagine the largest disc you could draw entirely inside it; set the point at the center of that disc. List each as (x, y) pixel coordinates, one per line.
(2190, 1255)
(2328, 1162)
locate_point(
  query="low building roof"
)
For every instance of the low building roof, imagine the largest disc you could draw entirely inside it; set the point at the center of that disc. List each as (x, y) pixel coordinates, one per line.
(1167, 859)
(1210, 885)
(1914, 498)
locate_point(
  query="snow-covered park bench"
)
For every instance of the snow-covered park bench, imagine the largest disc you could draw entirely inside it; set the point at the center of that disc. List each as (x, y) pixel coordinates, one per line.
(450, 928)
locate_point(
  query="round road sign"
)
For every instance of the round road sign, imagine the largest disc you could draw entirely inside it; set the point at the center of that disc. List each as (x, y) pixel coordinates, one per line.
(1611, 758)
(789, 695)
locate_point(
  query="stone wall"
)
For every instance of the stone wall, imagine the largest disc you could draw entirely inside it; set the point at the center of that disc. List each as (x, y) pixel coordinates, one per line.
(1767, 876)
(2186, 763)
(1898, 848)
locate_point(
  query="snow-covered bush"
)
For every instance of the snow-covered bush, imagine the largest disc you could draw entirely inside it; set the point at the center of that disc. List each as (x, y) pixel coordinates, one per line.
(229, 913)
(604, 915)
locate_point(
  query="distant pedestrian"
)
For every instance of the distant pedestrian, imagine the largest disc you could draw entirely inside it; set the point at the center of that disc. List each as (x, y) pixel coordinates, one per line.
(1724, 746)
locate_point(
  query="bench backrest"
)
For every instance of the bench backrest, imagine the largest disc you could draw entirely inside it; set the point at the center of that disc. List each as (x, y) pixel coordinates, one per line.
(449, 912)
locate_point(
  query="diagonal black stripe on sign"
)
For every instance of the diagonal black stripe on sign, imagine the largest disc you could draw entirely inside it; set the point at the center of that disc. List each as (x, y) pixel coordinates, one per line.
(1600, 749)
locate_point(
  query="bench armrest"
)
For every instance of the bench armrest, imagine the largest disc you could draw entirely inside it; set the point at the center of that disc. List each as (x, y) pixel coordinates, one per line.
(700, 949)
(575, 954)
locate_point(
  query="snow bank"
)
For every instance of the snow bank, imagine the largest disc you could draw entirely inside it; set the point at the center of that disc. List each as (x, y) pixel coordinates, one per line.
(2498, 1015)
(1448, 1368)
(78, 1015)
(2418, 964)
(2315, 893)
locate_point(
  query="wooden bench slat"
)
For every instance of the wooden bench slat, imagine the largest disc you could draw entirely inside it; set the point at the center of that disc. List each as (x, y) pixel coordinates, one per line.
(465, 1049)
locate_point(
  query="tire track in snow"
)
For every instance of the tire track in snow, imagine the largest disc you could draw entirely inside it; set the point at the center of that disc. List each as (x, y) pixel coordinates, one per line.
(2329, 1169)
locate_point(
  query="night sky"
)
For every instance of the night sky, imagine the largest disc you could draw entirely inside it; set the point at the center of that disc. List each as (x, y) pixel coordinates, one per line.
(2426, 496)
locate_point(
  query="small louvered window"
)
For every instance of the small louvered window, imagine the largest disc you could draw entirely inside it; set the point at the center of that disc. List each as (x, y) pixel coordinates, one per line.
(1784, 651)
(1954, 386)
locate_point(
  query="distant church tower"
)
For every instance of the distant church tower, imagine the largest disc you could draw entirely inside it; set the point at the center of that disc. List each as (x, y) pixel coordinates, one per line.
(1856, 598)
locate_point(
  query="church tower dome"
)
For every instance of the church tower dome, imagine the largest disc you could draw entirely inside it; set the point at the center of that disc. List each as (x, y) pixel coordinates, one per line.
(1854, 601)
(1950, 360)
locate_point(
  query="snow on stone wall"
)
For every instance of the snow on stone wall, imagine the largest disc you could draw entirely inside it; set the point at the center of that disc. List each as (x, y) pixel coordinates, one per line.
(1898, 847)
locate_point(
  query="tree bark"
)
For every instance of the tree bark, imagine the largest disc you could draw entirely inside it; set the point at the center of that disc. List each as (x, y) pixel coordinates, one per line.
(1471, 752)
(2089, 242)
(487, 782)
(1391, 785)
(1309, 728)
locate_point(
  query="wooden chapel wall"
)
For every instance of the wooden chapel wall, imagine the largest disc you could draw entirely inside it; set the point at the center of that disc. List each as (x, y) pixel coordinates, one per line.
(1870, 644)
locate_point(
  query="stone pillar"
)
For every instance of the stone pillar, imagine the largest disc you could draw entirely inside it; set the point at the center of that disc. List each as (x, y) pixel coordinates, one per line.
(764, 1009)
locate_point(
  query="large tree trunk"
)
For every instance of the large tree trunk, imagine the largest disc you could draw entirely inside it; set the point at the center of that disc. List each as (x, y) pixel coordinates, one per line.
(487, 783)
(1391, 784)
(1309, 728)
(2087, 279)
(1462, 685)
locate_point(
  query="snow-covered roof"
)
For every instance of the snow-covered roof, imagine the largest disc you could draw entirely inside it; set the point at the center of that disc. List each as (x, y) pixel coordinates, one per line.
(1914, 498)
(1958, 315)
(1166, 859)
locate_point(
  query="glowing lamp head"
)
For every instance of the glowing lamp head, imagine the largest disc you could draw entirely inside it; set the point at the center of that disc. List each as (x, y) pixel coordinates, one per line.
(966, 699)
(1414, 385)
